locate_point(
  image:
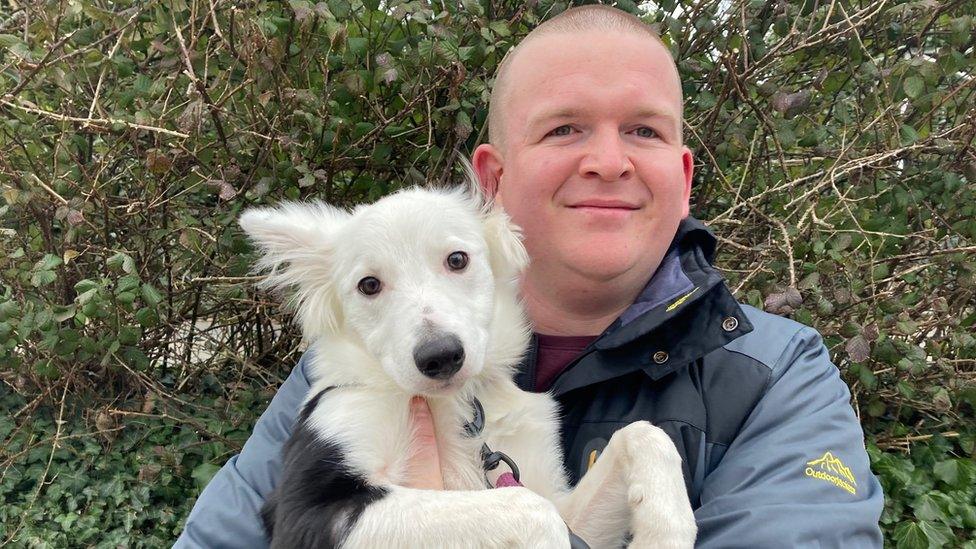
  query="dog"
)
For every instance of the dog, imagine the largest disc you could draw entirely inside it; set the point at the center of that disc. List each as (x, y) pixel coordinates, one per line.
(417, 294)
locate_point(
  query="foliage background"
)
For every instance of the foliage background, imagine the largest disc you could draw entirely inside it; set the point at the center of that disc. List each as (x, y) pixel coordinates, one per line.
(834, 142)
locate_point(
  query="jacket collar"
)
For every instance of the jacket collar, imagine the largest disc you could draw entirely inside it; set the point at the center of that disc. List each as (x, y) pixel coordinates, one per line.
(684, 277)
(679, 312)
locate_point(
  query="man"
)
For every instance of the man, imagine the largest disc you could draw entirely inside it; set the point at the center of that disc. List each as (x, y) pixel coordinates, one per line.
(631, 320)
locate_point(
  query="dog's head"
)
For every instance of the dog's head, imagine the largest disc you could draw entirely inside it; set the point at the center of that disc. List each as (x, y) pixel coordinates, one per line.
(414, 278)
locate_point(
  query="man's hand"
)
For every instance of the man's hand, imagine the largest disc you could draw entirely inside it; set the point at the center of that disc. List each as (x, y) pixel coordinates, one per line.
(424, 465)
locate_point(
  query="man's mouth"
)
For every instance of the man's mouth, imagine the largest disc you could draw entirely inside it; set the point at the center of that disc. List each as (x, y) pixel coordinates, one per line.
(601, 204)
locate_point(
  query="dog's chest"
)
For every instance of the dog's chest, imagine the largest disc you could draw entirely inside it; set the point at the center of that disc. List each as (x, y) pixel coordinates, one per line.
(463, 473)
(460, 456)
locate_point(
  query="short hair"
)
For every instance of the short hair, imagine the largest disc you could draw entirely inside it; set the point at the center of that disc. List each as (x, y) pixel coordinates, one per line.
(578, 19)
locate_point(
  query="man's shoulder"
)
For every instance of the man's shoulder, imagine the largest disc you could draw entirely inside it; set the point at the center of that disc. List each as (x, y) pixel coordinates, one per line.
(773, 339)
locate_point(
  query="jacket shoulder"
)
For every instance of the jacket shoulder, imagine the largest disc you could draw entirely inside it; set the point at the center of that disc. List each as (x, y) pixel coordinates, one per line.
(771, 338)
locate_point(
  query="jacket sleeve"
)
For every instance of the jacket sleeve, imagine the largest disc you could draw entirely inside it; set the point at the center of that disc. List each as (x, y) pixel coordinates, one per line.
(797, 474)
(227, 512)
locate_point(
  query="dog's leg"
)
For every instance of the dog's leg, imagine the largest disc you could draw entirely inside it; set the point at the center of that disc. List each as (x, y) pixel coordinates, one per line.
(596, 509)
(662, 515)
(503, 517)
(635, 485)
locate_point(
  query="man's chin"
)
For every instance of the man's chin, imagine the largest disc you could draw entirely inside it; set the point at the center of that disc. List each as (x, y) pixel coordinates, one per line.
(602, 268)
(603, 259)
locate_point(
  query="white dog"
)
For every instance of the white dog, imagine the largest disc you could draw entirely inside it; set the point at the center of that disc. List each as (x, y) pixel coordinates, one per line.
(417, 295)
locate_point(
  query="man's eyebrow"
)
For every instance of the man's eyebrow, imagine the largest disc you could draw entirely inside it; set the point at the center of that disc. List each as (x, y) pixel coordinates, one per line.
(556, 113)
(575, 112)
(560, 113)
(654, 113)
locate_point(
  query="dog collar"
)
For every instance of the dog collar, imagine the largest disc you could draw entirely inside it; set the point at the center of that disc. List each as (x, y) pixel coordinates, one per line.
(490, 459)
(474, 427)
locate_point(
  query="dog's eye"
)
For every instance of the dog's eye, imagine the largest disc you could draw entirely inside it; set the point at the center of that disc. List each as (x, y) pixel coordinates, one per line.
(457, 261)
(370, 286)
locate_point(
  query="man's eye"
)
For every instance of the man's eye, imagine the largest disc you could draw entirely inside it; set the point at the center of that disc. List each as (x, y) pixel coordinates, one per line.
(646, 132)
(561, 130)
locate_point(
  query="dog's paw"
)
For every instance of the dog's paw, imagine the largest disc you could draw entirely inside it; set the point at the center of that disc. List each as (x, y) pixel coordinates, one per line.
(642, 442)
(666, 522)
(661, 540)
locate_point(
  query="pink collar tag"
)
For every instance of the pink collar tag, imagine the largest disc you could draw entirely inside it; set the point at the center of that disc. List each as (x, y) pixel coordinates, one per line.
(506, 480)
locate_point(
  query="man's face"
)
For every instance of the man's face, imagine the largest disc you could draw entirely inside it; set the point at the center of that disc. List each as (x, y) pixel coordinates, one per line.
(592, 166)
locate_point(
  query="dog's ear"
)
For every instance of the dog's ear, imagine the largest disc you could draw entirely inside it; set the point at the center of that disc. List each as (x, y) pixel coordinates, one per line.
(291, 228)
(296, 242)
(508, 257)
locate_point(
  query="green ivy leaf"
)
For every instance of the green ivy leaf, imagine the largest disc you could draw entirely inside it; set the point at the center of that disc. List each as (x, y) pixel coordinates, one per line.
(926, 508)
(357, 45)
(500, 28)
(938, 534)
(947, 471)
(43, 278)
(908, 134)
(339, 8)
(147, 317)
(48, 262)
(86, 285)
(16, 46)
(151, 295)
(136, 358)
(9, 40)
(908, 535)
(913, 86)
(47, 369)
(127, 264)
(126, 283)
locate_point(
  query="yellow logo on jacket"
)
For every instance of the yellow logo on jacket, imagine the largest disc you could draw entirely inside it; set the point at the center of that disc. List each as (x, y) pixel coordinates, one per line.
(831, 469)
(680, 300)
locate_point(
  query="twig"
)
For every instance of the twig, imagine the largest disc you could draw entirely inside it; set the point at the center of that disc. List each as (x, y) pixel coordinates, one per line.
(40, 65)
(202, 89)
(111, 54)
(227, 279)
(920, 255)
(104, 122)
(50, 191)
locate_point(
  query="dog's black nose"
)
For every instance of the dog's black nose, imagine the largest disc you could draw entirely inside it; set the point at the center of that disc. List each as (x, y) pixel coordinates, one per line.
(439, 358)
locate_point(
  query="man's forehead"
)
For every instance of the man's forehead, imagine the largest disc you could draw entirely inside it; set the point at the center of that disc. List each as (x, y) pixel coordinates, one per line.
(575, 47)
(547, 66)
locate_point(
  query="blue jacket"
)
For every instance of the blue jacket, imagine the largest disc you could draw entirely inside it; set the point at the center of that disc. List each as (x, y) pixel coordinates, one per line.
(773, 454)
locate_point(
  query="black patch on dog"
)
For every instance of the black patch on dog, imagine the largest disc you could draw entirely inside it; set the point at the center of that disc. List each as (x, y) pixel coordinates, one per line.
(311, 404)
(319, 499)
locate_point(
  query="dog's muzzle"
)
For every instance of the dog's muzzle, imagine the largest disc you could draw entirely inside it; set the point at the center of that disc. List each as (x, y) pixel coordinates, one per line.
(440, 357)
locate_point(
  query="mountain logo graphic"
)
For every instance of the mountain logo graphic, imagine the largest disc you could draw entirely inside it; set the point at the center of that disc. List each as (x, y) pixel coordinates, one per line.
(831, 469)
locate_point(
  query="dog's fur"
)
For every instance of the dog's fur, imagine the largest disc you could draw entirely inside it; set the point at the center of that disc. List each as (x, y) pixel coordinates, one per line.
(346, 461)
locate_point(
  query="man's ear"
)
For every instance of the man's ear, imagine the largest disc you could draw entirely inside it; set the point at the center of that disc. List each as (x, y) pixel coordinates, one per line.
(507, 254)
(688, 167)
(296, 242)
(488, 165)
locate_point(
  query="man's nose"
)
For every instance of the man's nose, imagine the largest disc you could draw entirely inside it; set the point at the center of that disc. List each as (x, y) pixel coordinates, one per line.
(606, 157)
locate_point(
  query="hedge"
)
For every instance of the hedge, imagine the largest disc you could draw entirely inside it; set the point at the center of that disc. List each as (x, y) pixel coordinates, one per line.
(835, 160)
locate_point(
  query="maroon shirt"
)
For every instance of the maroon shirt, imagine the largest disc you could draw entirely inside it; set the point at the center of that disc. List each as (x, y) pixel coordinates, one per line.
(554, 354)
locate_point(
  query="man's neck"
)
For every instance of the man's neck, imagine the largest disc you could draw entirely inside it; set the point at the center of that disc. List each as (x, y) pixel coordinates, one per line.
(577, 308)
